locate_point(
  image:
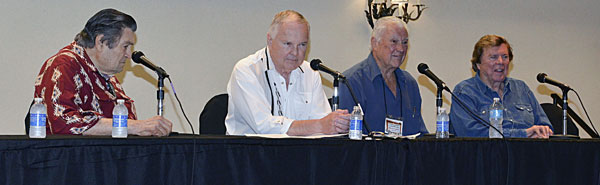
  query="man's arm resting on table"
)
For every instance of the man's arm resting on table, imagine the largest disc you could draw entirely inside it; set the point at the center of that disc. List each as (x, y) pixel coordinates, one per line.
(334, 123)
(155, 126)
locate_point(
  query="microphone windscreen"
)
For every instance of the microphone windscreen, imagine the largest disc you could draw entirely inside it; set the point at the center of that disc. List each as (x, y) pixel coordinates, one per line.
(136, 56)
(422, 67)
(541, 77)
(314, 64)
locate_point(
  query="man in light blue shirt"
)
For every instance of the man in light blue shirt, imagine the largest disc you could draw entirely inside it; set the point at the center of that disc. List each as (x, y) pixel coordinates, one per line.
(382, 88)
(523, 115)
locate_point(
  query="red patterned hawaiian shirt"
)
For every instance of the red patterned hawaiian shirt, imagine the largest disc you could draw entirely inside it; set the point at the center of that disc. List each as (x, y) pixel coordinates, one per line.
(76, 95)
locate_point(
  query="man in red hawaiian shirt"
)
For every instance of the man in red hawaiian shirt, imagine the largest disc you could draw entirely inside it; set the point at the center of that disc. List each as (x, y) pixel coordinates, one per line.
(78, 83)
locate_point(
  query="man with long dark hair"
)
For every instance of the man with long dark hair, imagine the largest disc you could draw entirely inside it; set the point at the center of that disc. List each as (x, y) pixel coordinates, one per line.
(78, 84)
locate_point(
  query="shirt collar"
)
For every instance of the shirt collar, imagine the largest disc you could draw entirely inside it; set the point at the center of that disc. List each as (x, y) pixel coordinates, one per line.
(372, 69)
(271, 66)
(484, 88)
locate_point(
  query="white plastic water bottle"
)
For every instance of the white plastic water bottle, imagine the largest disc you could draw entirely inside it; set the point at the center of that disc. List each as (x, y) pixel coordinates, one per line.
(496, 118)
(442, 124)
(37, 119)
(356, 124)
(119, 125)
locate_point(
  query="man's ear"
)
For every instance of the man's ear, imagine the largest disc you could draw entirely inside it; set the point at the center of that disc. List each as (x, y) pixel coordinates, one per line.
(373, 42)
(269, 39)
(98, 42)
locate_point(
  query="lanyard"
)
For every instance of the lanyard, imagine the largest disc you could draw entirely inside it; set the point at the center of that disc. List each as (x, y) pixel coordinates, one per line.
(384, 97)
(271, 89)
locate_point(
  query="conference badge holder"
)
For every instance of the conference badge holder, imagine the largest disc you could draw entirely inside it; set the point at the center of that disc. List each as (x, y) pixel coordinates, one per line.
(393, 127)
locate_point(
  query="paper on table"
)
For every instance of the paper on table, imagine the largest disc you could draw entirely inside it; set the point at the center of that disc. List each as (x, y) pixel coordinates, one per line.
(407, 137)
(280, 136)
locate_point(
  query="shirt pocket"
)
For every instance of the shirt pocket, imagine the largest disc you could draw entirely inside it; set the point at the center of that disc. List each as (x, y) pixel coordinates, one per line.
(302, 105)
(524, 112)
(483, 112)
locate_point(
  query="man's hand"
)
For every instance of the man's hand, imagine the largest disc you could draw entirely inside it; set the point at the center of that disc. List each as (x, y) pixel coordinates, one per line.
(155, 126)
(539, 131)
(335, 122)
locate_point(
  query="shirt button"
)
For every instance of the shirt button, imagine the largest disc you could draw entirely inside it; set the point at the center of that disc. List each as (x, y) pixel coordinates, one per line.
(291, 83)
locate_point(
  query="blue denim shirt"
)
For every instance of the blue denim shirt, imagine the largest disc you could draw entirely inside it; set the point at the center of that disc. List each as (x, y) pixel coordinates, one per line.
(521, 109)
(368, 85)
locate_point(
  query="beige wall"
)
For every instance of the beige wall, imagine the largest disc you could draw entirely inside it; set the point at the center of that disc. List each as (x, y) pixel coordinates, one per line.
(198, 42)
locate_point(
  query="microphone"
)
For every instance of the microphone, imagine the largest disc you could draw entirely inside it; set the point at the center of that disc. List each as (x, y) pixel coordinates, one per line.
(424, 69)
(317, 65)
(543, 78)
(140, 58)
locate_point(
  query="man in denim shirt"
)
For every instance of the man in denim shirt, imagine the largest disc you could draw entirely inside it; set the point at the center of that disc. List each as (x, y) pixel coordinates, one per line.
(523, 117)
(382, 88)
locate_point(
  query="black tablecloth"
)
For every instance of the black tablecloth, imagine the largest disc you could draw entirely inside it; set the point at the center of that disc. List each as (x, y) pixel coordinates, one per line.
(186, 159)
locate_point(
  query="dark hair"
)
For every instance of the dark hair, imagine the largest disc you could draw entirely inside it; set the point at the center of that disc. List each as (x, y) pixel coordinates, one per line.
(485, 42)
(108, 22)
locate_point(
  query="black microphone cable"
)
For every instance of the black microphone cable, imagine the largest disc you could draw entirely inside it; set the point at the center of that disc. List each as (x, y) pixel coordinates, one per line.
(584, 110)
(191, 127)
(180, 106)
(356, 101)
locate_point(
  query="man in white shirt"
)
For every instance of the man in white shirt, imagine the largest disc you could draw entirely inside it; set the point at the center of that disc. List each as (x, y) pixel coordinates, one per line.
(274, 91)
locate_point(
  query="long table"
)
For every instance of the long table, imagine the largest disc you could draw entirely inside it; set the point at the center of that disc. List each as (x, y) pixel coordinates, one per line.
(187, 159)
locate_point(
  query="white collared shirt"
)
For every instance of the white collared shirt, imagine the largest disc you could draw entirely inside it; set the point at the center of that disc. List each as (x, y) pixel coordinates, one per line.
(249, 108)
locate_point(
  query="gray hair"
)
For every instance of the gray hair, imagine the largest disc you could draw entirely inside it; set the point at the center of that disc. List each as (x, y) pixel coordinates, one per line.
(282, 17)
(383, 23)
(107, 22)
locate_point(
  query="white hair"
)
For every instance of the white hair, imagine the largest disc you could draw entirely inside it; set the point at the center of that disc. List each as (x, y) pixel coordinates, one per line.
(285, 16)
(383, 23)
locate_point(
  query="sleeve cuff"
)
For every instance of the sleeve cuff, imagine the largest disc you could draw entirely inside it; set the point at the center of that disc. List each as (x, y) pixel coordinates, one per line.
(520, 133)
(285, 124)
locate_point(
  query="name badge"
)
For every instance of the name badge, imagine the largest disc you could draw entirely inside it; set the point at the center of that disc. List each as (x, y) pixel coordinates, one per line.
(393, 127)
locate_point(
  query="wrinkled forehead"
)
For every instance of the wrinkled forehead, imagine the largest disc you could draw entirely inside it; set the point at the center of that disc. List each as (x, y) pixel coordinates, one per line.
(395, 31)
(493, 50)
(128, 37)
(294, 29)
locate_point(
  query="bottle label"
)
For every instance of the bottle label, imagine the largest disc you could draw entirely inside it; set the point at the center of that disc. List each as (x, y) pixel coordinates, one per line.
(442, 126)
(37, 120)
(356, 124)
(119, 121)
(496, 113)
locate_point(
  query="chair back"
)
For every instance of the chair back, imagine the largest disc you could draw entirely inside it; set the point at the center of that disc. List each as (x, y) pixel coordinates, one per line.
(27, 120)
(555, 115)
(212, 118)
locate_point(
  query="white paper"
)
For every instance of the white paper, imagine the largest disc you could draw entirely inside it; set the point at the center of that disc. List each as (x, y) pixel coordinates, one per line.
(280, 136)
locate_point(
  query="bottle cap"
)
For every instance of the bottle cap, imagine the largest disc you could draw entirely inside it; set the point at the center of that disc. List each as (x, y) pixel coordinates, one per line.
(120, 101)
(37, 99)
(442, 109)
(496, 99)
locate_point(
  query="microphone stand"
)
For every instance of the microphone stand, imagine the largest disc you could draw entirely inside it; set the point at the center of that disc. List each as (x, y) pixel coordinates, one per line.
(575, 117)
(438, 104)
(335, 99)
(439, 101)
(565, 117)
(160, 93)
